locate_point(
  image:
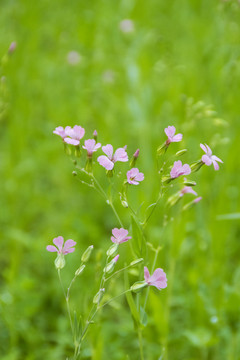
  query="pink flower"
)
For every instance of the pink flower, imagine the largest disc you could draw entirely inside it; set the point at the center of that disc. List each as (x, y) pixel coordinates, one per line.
(109, 160)
(59, 248)
(60, 131)
(75, 134)
(91, 146)
(209, 159)
(158, 278)
(178, 169)
(186, 190)
(170, 132)
(197, 199)
(134, 176)
(119, 235)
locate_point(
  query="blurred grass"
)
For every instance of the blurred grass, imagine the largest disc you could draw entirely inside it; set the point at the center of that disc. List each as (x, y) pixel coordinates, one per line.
(128, 87)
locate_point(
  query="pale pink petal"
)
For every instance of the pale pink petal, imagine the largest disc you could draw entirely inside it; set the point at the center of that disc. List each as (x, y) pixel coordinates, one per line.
(89, 144)
(170, 131)
(215, 165)
(105, 162)
(188, 189)
(209, 151)
(79, 132)
(71, 141)
(215, 158)
(207, 160)
(197, 199)
(97, 146)
(203, 147)
(139, 177)
(68, 244)
(133, 182)
(186, 169)
(108, 150)
(177, 138)
(120, 155)
(158, 273)
(58, 241)
(68, 251)
(146, 274)
(52, 248)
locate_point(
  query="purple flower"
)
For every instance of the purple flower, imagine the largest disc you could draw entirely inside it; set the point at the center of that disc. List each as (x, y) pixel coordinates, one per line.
(59, 248)
(109, 160)
(178, 169)
(158, 278)
(134, 176)
(208, 158)
(60, 131)
(187, 190)
(170, 132)
(120, 235)
(91, 146)
(75, 134)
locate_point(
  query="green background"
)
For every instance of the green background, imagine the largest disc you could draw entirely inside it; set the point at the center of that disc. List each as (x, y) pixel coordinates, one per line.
(180, 66)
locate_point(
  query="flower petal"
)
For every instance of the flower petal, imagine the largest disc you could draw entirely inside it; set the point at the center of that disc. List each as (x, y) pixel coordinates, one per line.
(170, 131)
(68, 244)
(51, 248)
(120, 155)
(177, 138)
(146, 274)
(108, 150)
(215, 158)
(71, 141)
(203, 147)
(186, 169)
(215, 165)
(58, 241)
(105, 162)
(207, 160)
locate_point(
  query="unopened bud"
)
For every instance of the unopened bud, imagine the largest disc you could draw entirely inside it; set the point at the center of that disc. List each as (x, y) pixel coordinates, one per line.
(196, 166)
(172, 200)
(86, 255)
(98, 297)
(74, 173)
(135, 262)
(79, 270)
(59, 261)
(162, 149)
(109, 267)
(124, 203)
(95, 134)
(181, 152)
(138, 286)
(190, 183)
(12, 47)
(134, 158)
(112, 250)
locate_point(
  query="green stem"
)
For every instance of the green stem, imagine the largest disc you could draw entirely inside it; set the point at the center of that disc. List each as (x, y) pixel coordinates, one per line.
(117, 272)
(140, 343)
(114, 298)
(67, 301)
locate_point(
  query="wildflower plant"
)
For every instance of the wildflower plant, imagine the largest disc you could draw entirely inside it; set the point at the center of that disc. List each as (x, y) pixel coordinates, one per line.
(173, 187)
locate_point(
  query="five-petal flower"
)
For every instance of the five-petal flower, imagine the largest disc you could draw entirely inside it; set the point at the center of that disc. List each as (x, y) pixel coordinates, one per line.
(134, 176)
(59, 248)
(178, 169)
(158, 278)
(208, 158)
(170, 132)
(119, 235)
(109, 160)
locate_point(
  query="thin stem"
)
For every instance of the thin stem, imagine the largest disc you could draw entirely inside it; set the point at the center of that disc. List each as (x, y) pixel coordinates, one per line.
(67, 301)
(117, 272)
(140, 343)
(115, 297)
(116, 214)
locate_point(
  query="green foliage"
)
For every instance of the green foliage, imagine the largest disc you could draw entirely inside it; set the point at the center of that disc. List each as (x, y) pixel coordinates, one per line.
(179, 67)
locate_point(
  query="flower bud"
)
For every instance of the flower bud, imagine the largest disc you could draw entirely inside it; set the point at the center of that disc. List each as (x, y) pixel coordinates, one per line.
(196, 166)
(112, 250)
(59, 261)
(190, 183)
(135, 262)
(110, 266)
(95, 134)
(86, 255)
(134, 158)
(181, 152)
(98, 297)
(162, 149)
(138, 286)
(172, 200)
(79, 270)
(12, 47)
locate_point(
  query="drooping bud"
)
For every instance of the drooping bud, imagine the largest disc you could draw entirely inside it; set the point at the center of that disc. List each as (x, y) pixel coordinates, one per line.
(138, 286)
(59, 262)
(86, 255)
(135, 262)
(98, 297)
(181, 152)
(79, 270)
(112, 250)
